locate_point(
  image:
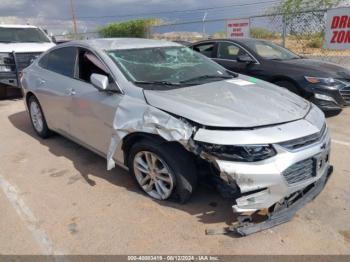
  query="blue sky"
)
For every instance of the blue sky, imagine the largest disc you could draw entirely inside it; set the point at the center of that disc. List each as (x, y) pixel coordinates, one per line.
(55, 15)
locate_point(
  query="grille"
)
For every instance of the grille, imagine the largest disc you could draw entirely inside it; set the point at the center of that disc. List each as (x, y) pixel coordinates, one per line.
(25, 59)
(300, 171)
(345, 93)
(305, 141)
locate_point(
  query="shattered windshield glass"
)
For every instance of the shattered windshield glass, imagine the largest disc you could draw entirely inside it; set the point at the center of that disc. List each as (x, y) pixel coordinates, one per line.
(167, 67)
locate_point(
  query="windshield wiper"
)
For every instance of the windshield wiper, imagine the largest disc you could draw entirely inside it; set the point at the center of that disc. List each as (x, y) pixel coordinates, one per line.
(167, 83)
(206, 77)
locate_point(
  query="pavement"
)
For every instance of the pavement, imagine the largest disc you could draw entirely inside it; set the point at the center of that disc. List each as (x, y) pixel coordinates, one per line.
(57, 198)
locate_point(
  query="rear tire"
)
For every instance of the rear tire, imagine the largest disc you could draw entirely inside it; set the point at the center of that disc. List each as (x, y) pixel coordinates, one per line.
(178, 177)
(288, 85)
(37, 117)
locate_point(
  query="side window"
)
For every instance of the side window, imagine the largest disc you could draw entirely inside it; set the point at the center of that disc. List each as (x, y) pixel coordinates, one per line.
(229, 51)
(89, 64)
(206, 49)
(61, 61)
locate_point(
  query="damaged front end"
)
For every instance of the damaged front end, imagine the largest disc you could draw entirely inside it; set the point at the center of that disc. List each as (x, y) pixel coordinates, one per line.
(274, 180)
(270, 172)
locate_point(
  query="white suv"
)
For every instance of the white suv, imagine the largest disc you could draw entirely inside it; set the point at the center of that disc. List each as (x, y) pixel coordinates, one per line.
(19, 46)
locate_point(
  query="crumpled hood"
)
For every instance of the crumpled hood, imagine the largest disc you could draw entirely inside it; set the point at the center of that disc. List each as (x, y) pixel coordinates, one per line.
(230, 104)
(25, 47)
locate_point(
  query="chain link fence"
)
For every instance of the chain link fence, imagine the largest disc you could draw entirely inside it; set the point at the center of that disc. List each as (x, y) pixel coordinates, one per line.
(303, 33)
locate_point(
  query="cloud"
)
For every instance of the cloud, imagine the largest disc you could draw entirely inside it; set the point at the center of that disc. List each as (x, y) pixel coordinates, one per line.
(12, 4)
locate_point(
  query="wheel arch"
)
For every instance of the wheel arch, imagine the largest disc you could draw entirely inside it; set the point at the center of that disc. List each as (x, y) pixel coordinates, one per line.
(28, 95)
(135, 137)
(280, 78)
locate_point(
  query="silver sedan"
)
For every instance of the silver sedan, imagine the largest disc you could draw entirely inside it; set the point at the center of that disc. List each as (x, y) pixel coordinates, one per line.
(172, 117)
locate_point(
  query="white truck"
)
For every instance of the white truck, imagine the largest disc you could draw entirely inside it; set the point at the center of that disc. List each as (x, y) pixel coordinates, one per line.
(19, 46)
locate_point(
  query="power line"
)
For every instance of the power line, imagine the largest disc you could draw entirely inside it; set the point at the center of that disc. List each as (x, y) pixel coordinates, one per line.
(178, 11)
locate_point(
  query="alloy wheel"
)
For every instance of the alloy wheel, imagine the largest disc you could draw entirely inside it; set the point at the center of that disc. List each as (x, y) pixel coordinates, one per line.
(36, 116)
(153, 175)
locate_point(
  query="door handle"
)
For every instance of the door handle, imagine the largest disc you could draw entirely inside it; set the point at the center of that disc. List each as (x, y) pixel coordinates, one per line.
(71, 91)
(41, 82)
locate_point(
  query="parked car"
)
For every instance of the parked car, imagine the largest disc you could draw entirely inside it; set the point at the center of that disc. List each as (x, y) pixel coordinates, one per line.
(325, 84)
(172, 116)
(19, 45)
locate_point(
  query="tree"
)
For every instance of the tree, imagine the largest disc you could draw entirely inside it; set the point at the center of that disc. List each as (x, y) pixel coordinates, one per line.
(139, 28)
(290, 8)
(302, 18)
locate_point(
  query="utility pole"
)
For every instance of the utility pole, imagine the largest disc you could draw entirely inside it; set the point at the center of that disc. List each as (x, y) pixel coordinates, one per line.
(75, 31)
(204, 17)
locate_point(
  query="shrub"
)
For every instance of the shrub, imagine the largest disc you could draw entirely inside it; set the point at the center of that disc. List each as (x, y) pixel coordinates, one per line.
(315, 42)
(133, 28)
(262, 33)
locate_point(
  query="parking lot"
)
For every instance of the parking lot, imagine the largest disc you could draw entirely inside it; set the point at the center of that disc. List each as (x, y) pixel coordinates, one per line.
(57, 197)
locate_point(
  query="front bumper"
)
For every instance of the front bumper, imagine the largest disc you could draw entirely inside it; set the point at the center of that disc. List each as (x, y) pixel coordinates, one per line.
(264, 183)
(273, 182)
(288, 210)
(330, 100)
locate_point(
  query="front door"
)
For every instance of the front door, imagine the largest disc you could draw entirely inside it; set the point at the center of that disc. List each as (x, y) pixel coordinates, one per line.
(227, 56)
(92, 110)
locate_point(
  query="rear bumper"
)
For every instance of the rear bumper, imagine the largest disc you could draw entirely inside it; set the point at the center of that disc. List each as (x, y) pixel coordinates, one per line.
(288, 210)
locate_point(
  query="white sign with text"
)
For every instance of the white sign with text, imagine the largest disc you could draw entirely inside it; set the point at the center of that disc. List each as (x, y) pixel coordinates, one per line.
(237, 28)
(338, 29)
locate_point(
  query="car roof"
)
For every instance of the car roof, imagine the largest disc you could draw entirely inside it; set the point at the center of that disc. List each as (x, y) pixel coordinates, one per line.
(17, 26)
(123, 43)
(242, 40)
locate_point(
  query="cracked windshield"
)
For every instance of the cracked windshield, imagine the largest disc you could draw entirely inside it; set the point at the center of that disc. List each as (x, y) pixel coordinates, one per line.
(167, 67)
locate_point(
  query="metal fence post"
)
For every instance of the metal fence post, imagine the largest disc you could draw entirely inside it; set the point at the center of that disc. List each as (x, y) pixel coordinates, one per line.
(284, 31)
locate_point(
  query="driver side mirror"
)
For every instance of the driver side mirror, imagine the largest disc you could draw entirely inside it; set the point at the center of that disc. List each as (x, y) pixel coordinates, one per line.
(245, 59)
(101, 82)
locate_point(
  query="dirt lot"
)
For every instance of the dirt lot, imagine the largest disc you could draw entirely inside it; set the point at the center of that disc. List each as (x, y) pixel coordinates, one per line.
(56, 197)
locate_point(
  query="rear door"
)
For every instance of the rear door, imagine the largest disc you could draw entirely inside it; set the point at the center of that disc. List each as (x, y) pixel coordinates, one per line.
(54, 83)
(92, 110)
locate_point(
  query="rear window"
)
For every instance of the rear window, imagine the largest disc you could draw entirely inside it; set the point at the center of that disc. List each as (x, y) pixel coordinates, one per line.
(61, 61)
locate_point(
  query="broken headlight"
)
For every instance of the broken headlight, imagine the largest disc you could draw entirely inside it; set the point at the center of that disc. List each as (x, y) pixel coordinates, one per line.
(249, 153)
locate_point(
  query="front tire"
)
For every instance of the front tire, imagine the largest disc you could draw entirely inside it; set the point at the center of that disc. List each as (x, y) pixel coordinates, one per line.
(37, 117)
(163, 170)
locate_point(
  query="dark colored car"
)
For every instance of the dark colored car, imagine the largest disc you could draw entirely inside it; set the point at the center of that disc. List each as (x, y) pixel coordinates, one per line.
(325, 84)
